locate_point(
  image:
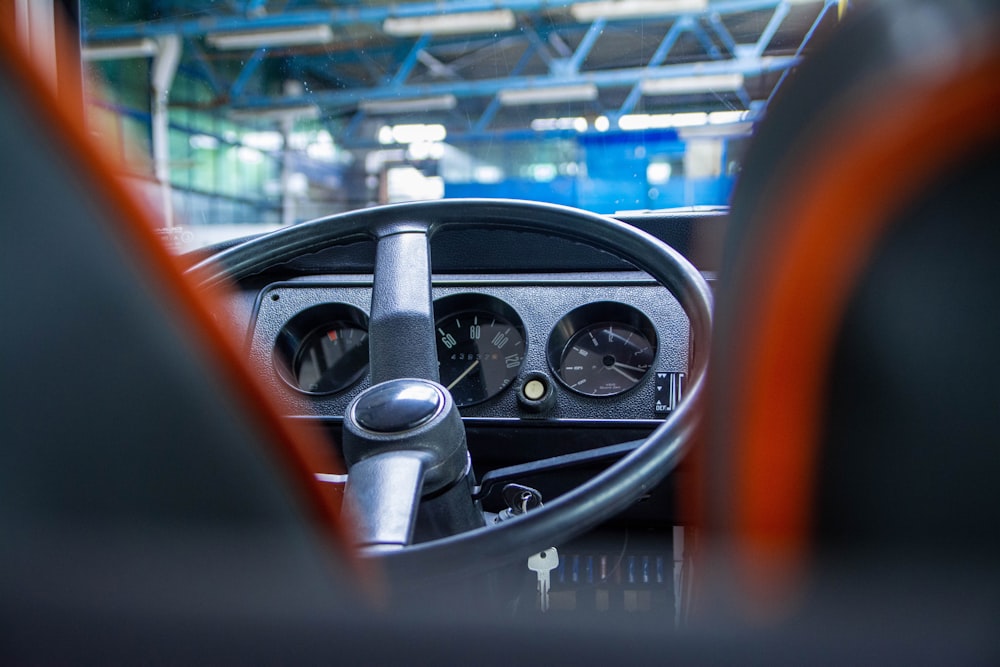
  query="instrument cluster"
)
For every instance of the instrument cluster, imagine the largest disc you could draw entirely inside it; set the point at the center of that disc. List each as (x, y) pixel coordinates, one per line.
(592, 342)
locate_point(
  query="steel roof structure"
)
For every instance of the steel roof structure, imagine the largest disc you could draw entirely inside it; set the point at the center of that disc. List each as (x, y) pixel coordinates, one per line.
(487, 71)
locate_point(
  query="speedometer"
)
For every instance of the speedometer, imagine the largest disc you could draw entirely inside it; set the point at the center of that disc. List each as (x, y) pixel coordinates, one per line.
(480, 346)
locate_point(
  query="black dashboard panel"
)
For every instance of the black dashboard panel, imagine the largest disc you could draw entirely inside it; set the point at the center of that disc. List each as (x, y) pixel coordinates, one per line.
(696, 234)
(540, 301)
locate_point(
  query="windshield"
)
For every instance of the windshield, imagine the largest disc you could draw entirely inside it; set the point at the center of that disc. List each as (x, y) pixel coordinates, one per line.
(243, 116)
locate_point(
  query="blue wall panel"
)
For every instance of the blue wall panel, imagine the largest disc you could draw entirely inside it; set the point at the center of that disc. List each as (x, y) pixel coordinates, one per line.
(613, 177)
(562, 190)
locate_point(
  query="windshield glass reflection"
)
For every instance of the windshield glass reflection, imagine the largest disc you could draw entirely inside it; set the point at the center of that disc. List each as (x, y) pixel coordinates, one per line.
(236, 118)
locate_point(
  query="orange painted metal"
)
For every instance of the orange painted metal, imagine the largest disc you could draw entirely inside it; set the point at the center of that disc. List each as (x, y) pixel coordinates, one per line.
(299, 452)
(875, 158)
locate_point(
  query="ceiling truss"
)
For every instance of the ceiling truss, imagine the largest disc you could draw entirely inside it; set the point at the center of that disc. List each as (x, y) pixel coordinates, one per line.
(546, 50)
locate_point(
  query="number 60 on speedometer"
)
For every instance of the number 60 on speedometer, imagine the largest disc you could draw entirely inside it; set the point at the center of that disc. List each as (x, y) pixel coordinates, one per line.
(480, 346)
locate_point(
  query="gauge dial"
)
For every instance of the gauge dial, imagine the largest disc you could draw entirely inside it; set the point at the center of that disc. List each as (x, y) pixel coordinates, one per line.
(606, 359)
(480, 349)
(602, 349)
(331, 358)
(323, 349)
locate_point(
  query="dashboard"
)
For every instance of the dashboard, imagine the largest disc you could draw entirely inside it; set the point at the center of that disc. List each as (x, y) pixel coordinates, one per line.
(549, 347)
(609, 346)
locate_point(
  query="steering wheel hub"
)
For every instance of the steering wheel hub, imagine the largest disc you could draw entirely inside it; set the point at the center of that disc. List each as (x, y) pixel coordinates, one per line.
(398, 406)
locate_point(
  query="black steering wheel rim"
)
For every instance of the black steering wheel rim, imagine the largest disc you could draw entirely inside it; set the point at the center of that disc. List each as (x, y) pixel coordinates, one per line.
(592, 502)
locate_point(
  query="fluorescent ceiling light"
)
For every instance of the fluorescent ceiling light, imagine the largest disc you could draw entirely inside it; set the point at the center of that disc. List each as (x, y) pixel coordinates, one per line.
(412, 104)
(742, 129)
(707, 83)
(296, 112)
(411, 134)
(450, 24)
(633, 9)
(726, 117)
(135, 48)
(662, 120)
(514, 97)
(577, 123)
(310, 34)
(690, 119)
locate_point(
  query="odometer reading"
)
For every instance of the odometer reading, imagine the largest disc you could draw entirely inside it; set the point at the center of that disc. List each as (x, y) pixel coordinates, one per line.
(479, 354)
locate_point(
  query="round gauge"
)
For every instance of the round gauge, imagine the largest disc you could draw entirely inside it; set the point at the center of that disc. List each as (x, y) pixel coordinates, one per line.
(605, 357)
(324, 349)
(480, 346)
(331, 358)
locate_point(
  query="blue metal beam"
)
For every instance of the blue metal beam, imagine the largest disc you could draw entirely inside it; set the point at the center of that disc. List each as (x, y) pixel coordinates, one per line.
(483, 88)
(246, 73)
(488, 115)
(435, 67)
(375, 71)
(351, 130)
(595, 30)
(668, 41)
(540, 46)
(411, 60)
(477, 48)
(780, 12)
(562, 71)
(494, 106)
(203, 67)
(745, 96)
(524, 60)
(255, 7)
(633, 97)
(368, 14)
(828, 4)
(661, 53)
(715, 20)
(706, 42)
(560, 45)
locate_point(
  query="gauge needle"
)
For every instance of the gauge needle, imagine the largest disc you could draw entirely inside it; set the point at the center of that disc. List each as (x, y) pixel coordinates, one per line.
(464, 373)
(630, 378)
(619, 364)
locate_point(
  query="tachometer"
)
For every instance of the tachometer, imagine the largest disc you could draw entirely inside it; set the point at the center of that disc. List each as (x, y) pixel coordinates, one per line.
(480, 346)
(605, 357)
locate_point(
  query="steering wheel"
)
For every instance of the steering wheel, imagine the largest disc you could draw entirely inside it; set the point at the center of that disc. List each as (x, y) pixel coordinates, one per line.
(402, 305)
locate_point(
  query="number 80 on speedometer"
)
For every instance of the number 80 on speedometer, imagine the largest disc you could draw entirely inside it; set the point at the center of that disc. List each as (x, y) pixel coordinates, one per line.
(480, 349)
